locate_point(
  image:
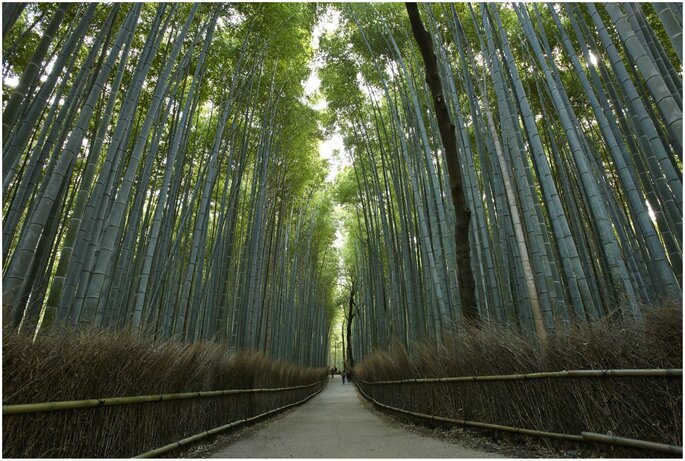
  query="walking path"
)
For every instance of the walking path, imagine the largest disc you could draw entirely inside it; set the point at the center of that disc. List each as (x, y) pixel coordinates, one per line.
(335, 424)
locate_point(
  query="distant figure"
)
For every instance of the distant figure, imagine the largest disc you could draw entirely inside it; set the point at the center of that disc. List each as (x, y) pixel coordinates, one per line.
(332, 372)
(343, 374)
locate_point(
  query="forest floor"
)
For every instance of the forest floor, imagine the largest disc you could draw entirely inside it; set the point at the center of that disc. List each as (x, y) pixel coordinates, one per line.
(338, 423)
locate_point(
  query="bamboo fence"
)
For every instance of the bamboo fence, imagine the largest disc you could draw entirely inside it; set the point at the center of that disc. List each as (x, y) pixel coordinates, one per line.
(584, 437)
(113, 401)
(193, 438)
(633, 373)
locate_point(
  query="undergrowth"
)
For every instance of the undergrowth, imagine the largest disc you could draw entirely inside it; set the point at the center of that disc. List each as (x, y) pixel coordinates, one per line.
(94, 364)
(640, 408)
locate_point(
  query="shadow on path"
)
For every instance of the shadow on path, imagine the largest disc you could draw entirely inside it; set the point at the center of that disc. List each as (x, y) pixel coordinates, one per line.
(335, 424)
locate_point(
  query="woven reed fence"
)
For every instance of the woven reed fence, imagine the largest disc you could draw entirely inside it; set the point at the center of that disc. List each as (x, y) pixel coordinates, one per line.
(108, 418)
(117, 396)
(599, 404)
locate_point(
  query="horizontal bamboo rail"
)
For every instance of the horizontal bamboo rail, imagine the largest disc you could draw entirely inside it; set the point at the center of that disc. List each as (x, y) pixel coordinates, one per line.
(632, 373)
(113, 401)
(585, 437)
(615, 440)
(194, 438)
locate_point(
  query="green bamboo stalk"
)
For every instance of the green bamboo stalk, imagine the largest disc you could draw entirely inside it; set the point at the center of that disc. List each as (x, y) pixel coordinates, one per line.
(615, 261)
(13, 146)
(665, 101)
(20, 93)
(14, 280)
(10, 13)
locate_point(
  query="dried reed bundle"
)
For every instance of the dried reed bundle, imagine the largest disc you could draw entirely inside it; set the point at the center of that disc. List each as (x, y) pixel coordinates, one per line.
(96, 365)
(647, 408)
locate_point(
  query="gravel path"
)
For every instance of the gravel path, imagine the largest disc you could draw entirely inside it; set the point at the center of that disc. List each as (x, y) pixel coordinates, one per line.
(335, 424)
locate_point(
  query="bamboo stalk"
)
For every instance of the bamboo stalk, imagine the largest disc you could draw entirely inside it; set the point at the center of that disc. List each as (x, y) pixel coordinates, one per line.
(113, 401)
(632, 373)
(158, 451)
(584, 437)
(615, 440)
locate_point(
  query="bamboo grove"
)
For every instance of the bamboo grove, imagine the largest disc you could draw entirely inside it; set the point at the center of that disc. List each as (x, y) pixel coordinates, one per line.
(569, 128)
(161, 174)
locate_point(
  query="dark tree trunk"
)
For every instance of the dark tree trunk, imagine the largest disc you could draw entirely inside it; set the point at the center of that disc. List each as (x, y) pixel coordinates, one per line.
(351, 312)
(467, 286)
